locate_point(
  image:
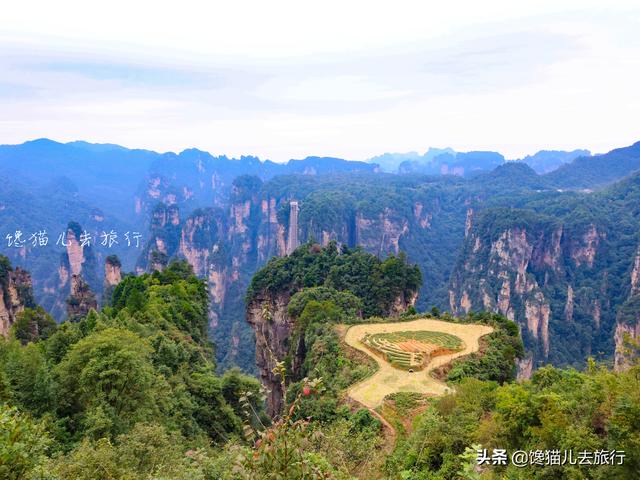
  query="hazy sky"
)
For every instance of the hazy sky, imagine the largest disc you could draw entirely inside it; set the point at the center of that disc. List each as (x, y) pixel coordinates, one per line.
(287, 79)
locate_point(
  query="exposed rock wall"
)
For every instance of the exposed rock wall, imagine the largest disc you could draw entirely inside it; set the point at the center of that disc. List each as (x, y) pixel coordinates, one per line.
(16, 293)
(112, 277)
(112, 271)
(75, 252)
(81, 300)
(528, 273)
(381, 234)
(627, 330)
(293, 241)
(635, 275)
(77, 260)
(272, 327)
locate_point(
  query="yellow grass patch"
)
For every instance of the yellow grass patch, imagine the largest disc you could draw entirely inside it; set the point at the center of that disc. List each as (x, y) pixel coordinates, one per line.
(387, 380)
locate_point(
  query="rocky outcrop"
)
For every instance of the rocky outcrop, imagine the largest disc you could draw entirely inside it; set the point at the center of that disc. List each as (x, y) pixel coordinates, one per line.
(77, 259)
(626, 334)
(16, 293)
(240, 213)
(271, 233)
(81, 300)
(401, 303)
(273, 328)
(112, 271)
(254, 226)
(160, 189)
(627, 329)
(525, 273)
(292, 240)
(423, 219)
(568, 307)
(112, 277)
(75, 251)
(218, 246)
(597, 313)
(196, 254)
(381, 234)
(279, 339)
(525, 368)
(468, 222)
(554, 280)
(583, 251)
(537, 312)
(635, 275)
(164, 238)
(508, 269)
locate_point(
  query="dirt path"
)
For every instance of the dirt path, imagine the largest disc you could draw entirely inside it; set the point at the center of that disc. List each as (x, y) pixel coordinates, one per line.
(372, 390)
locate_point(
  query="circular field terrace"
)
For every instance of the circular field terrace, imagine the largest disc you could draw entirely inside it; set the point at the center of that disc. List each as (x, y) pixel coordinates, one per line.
(394, 378)
(412, 350)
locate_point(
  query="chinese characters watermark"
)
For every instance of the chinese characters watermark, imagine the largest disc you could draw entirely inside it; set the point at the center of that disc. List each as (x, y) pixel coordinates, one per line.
(18, 239)
(523, 458)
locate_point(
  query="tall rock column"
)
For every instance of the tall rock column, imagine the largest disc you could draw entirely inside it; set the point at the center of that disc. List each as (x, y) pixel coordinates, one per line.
(81, 300)
(272, 326)
(628, 321)
(293, 241)
(112, 277)
(16, 293)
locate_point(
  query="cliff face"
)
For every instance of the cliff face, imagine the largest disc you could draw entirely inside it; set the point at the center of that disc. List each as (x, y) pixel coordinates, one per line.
(112, 277)
(507, 283)
(383, 288)
(627, 331)
(227, 247)
(164, 238)
(81, 299)
(16, 293)
(112, 271)
(381, 233)
(635, 275)
(77, 261)
(216, 244)
(553, 274)
(272, 327)
(535, 274)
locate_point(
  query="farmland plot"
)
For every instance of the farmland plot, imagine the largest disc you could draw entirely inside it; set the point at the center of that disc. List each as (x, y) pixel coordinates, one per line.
(390, 379)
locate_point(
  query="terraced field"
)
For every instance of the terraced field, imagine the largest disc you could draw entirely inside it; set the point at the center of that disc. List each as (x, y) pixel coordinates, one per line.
(389, 379)
(411, 350)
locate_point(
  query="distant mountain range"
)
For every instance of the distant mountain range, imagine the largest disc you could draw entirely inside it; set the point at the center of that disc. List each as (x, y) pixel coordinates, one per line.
(446, 161)
(228, 216)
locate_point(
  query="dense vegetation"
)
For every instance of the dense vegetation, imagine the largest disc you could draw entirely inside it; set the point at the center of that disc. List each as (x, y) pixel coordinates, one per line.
(499, 351)
(123, 393)
(556, 410)
(328, 286)
(130, 392)
(599, 170)
(98, 186)
(375, 283)
(605, 285)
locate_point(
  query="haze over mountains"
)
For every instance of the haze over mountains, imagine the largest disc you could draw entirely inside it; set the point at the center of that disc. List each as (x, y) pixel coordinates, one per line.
(449, 211)
(446, 161)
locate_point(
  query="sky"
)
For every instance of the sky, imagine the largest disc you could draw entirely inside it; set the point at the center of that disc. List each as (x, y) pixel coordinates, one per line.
(350, 79)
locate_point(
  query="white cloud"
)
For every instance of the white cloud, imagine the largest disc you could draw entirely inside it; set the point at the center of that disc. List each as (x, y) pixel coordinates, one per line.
(353, 79)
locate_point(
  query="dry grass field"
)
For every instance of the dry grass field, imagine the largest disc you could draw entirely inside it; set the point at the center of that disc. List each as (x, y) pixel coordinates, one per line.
(389, 379)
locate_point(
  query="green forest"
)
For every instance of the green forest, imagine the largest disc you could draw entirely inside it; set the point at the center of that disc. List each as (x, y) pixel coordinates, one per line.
(131, 392)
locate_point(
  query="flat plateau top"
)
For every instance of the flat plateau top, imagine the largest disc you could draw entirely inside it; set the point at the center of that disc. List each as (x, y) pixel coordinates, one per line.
(387, 380)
